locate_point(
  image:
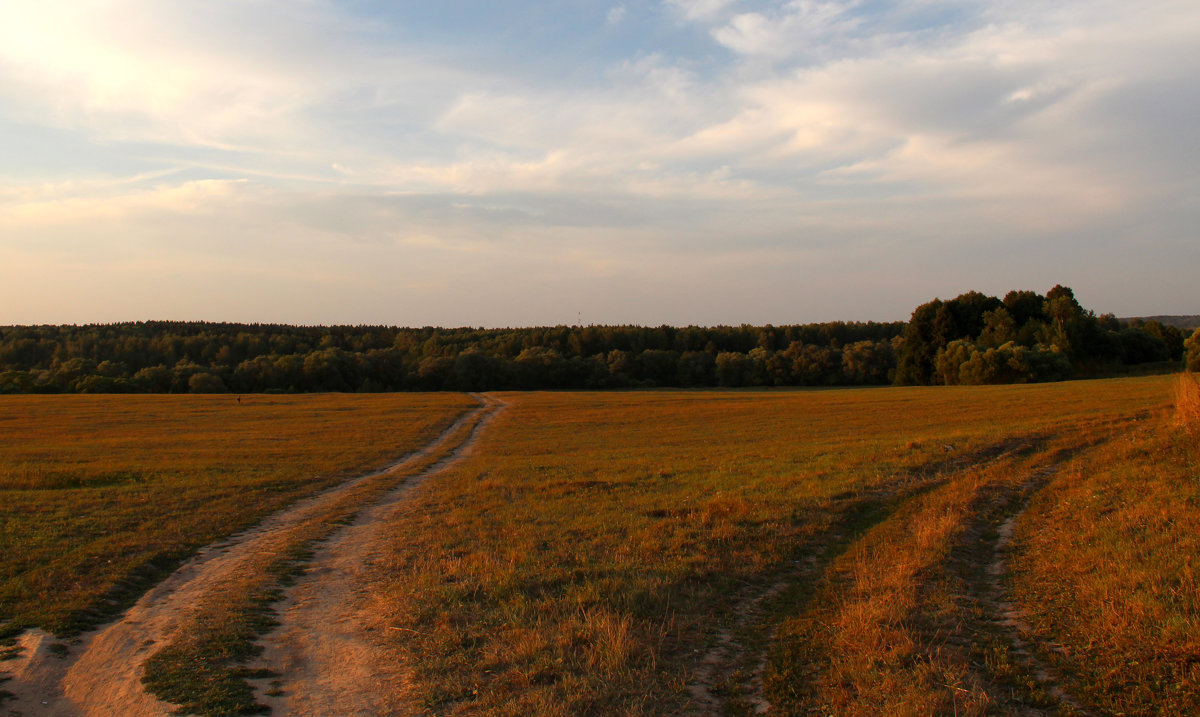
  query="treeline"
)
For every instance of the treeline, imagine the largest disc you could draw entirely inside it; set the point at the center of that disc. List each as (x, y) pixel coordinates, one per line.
(177, 357)
(972, 338)
(1024, 337)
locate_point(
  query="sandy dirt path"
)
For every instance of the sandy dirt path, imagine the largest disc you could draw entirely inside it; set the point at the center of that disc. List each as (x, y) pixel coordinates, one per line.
(101, 674)
(324, 653)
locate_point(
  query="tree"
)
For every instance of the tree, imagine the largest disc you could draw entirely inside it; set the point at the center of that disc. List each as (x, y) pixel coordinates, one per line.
(205, 382)
(915, 362)
(733, 368)
(999, 328)
(17, 382)
(542, 367)
(1139, 346)
(1171, 337)
(814, 365)
(331, 369)
(434, 373)
(1023, 306)
(952, 358)
(1192, 355)
(969, 311)
(660, 366)
(868, 362)
(476, 371)
(102, 384)
(1069, 327)
(153, 379)
(621, 365)
(697, 368)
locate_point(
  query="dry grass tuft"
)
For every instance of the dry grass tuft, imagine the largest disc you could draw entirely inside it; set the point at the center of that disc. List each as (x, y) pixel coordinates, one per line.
(1187, 402)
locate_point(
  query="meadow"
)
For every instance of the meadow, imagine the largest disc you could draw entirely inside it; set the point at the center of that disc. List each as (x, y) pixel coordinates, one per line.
(818, 551)
(101, 496)
(965, 550)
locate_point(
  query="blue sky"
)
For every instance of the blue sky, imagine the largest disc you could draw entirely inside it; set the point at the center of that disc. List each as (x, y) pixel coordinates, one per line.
(528, 163)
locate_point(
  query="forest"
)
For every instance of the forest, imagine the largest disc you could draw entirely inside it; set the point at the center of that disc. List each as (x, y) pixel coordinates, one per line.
(971, 339)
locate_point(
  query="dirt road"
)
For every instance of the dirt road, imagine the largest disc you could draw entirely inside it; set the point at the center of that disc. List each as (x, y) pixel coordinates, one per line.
(319, 650)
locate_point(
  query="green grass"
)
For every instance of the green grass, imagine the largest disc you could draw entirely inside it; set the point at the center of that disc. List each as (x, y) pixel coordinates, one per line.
(101, 496)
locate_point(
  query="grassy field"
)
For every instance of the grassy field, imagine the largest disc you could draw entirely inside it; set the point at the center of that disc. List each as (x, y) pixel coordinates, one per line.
(903, 551)
(100, 496)
(640, 553)
(1123, 613)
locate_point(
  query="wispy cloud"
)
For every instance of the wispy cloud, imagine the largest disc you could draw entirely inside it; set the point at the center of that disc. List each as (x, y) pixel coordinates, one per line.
(793, 138)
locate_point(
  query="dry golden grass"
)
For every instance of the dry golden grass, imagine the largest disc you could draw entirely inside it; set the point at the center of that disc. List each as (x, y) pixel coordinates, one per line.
(587, 556)
(199, 667)
(101, 495)
(861, 652)
(904, 621)
(1187, 403)
(592, 551)
(1107, 568)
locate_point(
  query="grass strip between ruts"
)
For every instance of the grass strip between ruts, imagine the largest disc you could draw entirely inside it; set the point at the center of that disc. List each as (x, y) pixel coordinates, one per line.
(200, 668)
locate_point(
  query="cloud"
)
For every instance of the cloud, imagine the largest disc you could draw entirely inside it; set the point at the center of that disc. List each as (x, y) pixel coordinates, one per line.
(260, 77)
(803, 27)
(812, 143)
(700, 10)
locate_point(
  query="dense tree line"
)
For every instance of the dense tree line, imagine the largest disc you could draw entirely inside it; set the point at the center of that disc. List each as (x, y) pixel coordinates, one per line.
(178, 357)
(975, 339)
(972, 338)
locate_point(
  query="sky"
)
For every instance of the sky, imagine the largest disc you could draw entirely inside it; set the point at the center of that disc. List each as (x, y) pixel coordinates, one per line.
(465, 163)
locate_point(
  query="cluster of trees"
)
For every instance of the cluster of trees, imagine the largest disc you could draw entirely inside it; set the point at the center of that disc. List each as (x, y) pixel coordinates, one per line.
(972, 338)
(180, 357)
(975, 339)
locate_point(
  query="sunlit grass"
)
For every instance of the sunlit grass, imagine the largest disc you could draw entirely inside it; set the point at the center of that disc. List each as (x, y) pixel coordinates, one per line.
(583, 558)
(1107, 566)
(201, 666)
(1187, 403)
(100, 495)
(595, 542)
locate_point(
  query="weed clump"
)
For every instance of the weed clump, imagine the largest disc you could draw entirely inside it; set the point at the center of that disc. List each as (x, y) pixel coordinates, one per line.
(1187, 402)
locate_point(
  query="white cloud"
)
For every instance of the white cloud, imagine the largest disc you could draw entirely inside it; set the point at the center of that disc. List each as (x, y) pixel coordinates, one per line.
(701, 10)
(259, 77)
(834, 135)
(803, 27)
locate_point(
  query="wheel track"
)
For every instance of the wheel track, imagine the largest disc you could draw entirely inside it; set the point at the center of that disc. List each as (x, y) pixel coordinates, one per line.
(324, 656)
(732, 663)
(102, 672)
(984, 571)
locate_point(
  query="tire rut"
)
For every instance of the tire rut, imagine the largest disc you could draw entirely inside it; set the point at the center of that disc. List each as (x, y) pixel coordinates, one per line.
(730, 675)
(101, 672)
(324, 657)
(982, 561)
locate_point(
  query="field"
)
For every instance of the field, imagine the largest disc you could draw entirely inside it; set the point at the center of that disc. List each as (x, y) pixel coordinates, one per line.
(956, 550)
(642, 552)
(102, 495)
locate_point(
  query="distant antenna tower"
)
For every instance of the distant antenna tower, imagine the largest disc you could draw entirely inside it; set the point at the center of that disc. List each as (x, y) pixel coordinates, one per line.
(580, 314)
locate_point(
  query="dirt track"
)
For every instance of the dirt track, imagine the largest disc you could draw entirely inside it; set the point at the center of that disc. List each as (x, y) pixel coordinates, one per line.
(101, 674)
(323, 651)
